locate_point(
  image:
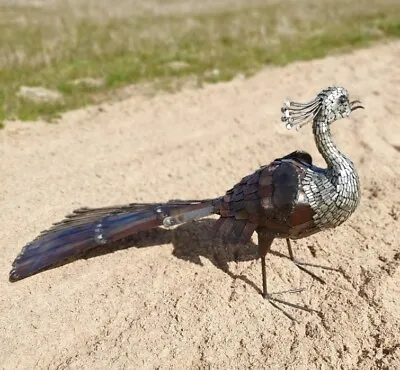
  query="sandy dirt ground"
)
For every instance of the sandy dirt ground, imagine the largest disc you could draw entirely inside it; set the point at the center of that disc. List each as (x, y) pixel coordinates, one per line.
(172, 299)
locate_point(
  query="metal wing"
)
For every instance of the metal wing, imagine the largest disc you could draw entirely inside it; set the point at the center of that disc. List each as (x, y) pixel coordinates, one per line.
(269, 199)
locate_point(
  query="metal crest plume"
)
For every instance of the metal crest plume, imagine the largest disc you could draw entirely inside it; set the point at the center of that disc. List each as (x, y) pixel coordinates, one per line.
(299, 114)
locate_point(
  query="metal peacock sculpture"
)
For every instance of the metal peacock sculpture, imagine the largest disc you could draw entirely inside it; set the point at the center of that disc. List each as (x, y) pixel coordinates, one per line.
(290, 198)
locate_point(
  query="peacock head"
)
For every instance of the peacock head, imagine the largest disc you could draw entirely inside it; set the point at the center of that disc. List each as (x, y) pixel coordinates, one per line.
(330, 105)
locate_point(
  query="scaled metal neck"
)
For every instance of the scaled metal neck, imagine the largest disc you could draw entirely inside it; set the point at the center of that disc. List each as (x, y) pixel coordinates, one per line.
(334, 158)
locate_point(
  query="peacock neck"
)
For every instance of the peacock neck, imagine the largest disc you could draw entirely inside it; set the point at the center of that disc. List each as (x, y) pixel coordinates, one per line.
(336, 191)
(337, 163)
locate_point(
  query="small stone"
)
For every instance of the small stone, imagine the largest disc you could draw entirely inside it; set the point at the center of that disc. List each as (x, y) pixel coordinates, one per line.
(215, 72)
(178, 65)
(89, 82)
(240, 77)
(39, 94)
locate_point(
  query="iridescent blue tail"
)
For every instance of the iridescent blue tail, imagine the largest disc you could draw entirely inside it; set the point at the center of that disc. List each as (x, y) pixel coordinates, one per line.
(88, 228)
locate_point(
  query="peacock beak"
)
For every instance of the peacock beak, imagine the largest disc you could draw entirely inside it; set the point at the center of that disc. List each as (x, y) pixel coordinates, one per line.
(356, 104)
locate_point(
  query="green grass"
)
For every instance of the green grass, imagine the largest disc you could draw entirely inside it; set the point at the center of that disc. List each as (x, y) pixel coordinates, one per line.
(52, 46)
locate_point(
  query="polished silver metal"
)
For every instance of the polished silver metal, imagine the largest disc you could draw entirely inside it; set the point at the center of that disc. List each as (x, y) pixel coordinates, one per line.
(333, 192)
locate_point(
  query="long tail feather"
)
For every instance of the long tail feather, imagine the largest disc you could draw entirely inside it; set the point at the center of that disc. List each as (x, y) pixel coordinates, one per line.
(87, 228)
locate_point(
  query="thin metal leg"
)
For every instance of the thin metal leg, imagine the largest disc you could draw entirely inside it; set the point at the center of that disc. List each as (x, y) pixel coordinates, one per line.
(264, 276)
(301, 265)
(264, 245)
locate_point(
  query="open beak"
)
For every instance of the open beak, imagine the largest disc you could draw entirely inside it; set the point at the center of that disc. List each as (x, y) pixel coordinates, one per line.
(356, 104)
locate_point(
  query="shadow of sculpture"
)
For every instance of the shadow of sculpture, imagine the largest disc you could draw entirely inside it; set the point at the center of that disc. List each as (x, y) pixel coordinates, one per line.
(190, 241)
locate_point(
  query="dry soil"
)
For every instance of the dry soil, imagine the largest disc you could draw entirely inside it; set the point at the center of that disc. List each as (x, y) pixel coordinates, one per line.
(174, 299)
